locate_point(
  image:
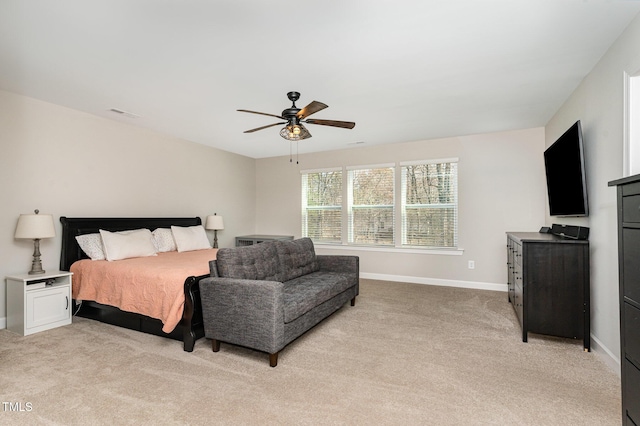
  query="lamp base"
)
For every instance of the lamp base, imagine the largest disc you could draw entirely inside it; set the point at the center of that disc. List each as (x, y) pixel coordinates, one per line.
(36, 265)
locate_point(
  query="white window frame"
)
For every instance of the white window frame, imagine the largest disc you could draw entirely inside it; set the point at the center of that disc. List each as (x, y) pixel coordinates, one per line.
(351, 206)
(306, 208)
(398, 211)
(403, 203)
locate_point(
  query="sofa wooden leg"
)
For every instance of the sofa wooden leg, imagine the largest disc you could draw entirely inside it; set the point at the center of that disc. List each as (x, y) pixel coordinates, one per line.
(215, 345)
(353, 301)
(273, 359)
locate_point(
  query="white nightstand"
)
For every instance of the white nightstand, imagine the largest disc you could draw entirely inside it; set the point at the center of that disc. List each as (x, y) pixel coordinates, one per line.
(38, 302)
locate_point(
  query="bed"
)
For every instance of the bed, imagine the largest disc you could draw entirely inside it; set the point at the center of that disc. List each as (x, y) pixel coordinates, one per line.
(189, 326)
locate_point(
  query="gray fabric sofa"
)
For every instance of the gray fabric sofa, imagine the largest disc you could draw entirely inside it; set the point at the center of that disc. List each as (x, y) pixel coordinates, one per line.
(266, 295)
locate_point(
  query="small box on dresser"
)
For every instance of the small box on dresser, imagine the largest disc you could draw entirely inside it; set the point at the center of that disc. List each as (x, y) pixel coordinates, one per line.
(628, 190)
(38, 302)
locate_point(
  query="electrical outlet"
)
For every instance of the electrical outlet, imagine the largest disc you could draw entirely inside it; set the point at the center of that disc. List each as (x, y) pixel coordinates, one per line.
(472, 264)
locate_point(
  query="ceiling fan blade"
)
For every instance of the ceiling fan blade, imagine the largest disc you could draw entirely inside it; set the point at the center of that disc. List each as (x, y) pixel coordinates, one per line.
(334, 123)
(263, 127)
(262, 113)
(312, 108)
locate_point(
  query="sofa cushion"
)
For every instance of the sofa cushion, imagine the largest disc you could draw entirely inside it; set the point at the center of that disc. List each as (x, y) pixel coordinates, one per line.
(297, 258)
(304, 293)
(256, 262)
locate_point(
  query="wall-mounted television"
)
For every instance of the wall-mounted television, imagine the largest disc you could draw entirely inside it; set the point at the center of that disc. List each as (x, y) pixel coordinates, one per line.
(566, 182)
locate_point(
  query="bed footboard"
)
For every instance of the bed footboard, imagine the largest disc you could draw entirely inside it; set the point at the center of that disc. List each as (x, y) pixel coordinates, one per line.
(192, 323)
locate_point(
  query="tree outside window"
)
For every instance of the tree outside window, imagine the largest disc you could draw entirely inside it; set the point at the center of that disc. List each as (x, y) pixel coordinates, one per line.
(322, 206)
(427, 205)
(371, 212)
(430, 205)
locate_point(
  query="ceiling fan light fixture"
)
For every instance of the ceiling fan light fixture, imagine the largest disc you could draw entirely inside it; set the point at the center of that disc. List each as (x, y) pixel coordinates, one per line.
(287, 133)
(294, 132)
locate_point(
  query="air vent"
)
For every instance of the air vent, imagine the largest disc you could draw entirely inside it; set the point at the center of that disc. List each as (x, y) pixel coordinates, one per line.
(124, 113)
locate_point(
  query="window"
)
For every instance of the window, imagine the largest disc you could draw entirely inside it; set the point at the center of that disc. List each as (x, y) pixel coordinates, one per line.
(322, 206)
(370, 206)
(429, 204)
(358, 205)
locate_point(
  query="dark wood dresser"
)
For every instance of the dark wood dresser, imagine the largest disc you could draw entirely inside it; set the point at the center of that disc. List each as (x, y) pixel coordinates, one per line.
(629, 274)
(548, 284)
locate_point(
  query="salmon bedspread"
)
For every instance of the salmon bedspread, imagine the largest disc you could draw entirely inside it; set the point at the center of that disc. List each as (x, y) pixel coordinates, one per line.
(151, 286)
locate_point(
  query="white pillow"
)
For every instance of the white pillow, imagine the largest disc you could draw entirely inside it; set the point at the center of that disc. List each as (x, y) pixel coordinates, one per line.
(163, 240)
(91, 244)
(190, 238)
(126, 244)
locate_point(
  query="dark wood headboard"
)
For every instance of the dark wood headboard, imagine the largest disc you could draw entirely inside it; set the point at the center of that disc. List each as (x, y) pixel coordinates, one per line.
(72, 227)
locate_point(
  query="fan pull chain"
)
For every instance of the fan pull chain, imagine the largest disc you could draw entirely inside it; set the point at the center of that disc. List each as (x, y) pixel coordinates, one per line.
(297, 156)
(290, 152)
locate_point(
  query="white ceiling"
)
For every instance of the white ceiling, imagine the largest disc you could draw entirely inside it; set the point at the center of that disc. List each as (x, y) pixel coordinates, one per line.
(403, 70)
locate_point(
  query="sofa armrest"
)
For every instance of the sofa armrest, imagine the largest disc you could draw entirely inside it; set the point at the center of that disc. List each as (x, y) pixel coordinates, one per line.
(338, 263)
(243, 312)
(213, 268)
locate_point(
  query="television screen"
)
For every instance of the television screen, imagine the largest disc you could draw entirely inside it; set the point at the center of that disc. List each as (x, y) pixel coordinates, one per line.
(566, 183)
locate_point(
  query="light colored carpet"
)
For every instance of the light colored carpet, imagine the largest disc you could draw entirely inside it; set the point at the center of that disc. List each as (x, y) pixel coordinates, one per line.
(406, 354)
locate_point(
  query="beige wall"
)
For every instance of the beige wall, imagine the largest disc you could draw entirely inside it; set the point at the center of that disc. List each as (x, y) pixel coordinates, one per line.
(501, 188)
(67, 163)
(599, 103)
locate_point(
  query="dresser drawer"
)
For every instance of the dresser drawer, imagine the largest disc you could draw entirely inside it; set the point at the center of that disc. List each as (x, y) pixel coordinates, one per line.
(631, 392)
(630, 263)
(517, 256)
(632, 333)
(631, 208)
(631, 189)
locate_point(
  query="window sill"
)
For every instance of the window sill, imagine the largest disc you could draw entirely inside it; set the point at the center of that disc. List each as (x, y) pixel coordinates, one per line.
(404, 250)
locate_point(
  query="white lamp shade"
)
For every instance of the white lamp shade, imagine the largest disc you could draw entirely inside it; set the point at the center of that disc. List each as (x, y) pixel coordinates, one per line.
(35, 226)
(214, 222)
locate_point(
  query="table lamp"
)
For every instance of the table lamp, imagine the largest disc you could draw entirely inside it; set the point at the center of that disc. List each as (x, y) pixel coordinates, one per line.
(214, 223)
(35, 227)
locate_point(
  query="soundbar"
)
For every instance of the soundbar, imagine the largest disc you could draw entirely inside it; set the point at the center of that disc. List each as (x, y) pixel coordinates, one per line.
(570, 231)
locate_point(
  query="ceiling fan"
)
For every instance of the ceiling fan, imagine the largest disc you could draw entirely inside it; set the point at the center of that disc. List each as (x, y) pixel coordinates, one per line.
(294, 117)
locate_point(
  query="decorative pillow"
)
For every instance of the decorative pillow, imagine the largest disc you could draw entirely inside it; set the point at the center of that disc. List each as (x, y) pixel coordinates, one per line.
(190, 238)
(126, 244)
(163, 240)
(91, 244)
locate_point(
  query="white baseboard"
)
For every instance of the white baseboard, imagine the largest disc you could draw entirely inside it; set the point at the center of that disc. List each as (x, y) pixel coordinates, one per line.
(435, 281)
(3, 323)
(612, 361)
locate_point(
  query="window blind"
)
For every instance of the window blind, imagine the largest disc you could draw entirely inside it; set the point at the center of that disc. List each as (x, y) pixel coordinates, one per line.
(322, 206)
(370, 206)
(430, 204)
